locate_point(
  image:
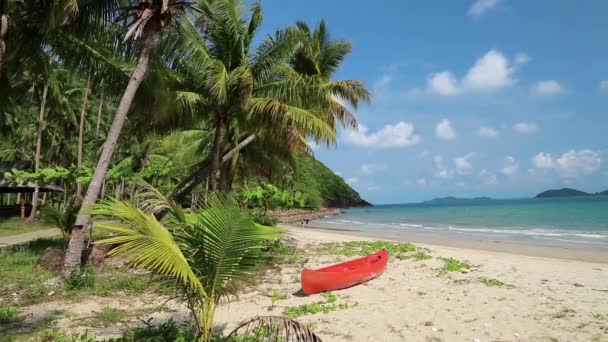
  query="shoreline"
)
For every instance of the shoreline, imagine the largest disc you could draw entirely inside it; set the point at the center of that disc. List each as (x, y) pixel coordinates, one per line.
(561, 252)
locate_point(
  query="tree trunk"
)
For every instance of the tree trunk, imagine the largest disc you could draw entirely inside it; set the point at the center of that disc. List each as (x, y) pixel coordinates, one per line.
(227, 175)
(3, 32)
(145, 158)
(83, 113)
(81, 227)
(202, 173)
(216, 152)
(99, 114)
(37, 157)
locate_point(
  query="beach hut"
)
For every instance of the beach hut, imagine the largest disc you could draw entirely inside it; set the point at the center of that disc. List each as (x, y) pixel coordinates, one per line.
(15, 199)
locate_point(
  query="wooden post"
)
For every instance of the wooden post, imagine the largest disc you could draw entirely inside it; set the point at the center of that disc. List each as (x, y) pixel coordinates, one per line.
(22, 207)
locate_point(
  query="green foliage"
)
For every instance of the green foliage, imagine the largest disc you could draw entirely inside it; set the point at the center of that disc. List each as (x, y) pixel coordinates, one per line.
(16, 265)
(109, 315)
(319, 185)
(268, 221)
(453, 265)
(8, 313)
(267, 196)
(80, 279)
(59, 336)
(169, 331)
(330, 304)
(279, 252)
(15, 226)
(490, 281)
(399, 250)
(43, 176)
(63, 219)
(211, 249)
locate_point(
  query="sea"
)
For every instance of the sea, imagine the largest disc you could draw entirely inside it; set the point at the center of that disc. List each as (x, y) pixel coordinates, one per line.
(576, 221)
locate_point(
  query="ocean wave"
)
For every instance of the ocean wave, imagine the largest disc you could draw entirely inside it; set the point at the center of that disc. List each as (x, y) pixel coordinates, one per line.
(410, 225)
(531, 232)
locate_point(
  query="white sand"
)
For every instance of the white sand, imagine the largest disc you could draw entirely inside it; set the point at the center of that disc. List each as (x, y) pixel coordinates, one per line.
(411, 302)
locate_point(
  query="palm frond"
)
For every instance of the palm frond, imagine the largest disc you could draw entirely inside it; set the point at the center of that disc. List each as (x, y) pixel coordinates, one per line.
(145, 242)
(274, 328)
(224, 245)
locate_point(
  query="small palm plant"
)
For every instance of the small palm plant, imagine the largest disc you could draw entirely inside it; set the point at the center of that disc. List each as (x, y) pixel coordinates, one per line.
(205, 253)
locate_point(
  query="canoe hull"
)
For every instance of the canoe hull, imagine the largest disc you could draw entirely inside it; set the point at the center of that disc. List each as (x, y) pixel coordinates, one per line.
(343, 275)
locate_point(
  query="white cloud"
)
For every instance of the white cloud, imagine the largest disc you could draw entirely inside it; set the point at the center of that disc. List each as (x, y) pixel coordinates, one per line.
(487, 132)
(398, 135)
(444, 130)
(547, 88)
(576, 163)
(440, 170)
(421, 181)
(381, 85)
(543, 161)
(604, 84)
(338, 173)
(488, 178)
(492, 71)
(511, 166)
(352, 180)
(522, 58)
(570, 164)
(444, 83)
(525, 127)
(463, 164)
(368, 169)
(480, 7)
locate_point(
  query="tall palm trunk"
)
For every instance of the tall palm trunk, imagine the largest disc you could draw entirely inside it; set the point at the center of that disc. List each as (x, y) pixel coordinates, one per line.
(99, 114)
(3, 32)
(83, 113)
(81, 227)
(38, 152)
(216, 151)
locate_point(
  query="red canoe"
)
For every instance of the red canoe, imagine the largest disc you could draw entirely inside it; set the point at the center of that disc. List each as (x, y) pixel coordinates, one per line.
(344, 275)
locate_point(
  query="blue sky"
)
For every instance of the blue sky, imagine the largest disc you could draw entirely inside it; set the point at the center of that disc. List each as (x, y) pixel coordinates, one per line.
(499, 98)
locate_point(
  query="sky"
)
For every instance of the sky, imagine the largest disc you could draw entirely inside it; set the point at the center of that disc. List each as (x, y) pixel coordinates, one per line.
(498, 98)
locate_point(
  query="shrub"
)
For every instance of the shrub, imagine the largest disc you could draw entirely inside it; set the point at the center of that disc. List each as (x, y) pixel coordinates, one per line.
(168, 331)
(80, 279)
(8, 314)
(265, 220)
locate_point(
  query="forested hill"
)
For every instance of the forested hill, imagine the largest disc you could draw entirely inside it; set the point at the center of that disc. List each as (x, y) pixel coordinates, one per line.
(315, 179)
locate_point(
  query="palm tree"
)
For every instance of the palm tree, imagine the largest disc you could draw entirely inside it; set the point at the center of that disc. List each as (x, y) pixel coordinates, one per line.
(150, 18)
(204, 252)
(38, 151)
(248, 86)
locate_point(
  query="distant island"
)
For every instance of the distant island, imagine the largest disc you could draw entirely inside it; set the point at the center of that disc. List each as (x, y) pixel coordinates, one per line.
(568, 192)
(456, 200)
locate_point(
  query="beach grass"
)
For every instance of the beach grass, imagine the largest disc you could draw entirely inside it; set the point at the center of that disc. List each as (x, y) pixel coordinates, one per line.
(329, 304)
(15, 226)
(397, 250)
(453, 265)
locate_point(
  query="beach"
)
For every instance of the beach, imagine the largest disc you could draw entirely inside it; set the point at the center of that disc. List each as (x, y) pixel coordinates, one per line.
(540, 299)
(500, 296)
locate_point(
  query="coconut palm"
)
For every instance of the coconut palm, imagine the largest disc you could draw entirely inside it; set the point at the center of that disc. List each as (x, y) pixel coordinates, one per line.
(203, 252)
(253, 91)
(149, 19)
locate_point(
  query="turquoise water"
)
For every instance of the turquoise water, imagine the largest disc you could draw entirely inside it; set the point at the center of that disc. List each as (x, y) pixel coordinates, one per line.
(582, 220)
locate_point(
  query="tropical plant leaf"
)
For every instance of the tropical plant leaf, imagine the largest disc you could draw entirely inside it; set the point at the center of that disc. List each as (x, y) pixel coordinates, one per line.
(145, 242)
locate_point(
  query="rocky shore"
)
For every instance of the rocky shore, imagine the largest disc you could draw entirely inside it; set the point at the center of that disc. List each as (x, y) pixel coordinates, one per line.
(298, 215)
